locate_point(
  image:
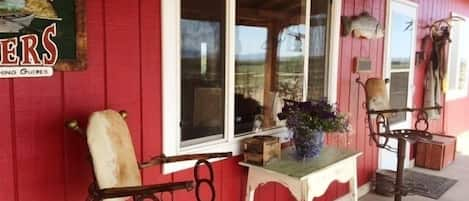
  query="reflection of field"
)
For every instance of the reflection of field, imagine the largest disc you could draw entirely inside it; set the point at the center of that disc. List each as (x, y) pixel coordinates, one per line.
(250, 79)
(400, 64)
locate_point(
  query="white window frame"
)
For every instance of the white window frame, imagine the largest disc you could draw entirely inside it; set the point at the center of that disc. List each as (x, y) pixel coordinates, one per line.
(171, 76)
(387, 159)
(410, 8)
(454, 94)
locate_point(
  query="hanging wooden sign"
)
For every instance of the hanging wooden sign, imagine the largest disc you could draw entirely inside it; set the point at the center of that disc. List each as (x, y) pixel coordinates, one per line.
(39, 35)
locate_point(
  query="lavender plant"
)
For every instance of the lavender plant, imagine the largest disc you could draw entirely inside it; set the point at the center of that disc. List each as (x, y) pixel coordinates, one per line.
(308, 121)
(316, 115)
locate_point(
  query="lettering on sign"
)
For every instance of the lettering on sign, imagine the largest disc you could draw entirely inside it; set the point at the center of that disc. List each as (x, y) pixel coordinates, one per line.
(39, 35)
(28, 63)
(30, 71)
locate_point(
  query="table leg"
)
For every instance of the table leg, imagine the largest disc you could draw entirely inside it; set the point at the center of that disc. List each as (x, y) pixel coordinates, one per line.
(353, 188)
(250, 193)
(309, 197)
(250, 188)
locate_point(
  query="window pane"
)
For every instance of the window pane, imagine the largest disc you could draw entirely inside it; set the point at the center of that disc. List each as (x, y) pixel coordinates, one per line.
(401, 38)
(458, 65)
(318, 45)
(202, 69)
(269, 60)
(462, 79)
(250, 80)
(464, 57)
(398, 94)
(290, 63)
(455, 51)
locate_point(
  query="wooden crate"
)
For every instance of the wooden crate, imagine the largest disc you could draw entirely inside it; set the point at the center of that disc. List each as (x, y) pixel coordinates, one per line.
(437, 154)
(260, 150)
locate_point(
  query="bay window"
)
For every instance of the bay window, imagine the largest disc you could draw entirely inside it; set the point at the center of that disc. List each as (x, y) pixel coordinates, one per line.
(228, 65)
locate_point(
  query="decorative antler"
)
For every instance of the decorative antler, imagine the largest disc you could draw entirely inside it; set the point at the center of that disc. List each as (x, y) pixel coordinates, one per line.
(442, 27)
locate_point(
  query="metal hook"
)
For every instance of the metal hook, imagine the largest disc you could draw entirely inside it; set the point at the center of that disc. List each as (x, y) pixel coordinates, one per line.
(123, 114)
(74, 125)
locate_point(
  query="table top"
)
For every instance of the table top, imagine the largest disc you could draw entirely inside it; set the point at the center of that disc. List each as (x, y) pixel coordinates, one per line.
(289, 166)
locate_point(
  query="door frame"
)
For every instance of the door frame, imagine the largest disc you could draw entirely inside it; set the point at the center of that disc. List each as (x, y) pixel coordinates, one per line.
(410, 8)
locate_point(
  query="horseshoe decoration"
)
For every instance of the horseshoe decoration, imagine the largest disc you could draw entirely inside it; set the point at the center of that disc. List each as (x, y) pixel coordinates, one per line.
(199, 181)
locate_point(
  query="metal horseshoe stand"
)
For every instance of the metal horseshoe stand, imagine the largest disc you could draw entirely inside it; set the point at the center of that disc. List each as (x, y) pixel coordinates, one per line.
(382, 129)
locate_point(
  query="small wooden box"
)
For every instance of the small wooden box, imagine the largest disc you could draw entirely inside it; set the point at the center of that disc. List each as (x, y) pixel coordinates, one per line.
(437, 154)
(260, 150)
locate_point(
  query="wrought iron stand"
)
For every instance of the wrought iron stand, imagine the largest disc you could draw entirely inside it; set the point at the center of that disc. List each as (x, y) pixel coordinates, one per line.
(382, 129)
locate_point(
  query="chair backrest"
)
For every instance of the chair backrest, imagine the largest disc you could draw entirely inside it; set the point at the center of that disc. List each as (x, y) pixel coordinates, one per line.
(112, 151)
(377, 94)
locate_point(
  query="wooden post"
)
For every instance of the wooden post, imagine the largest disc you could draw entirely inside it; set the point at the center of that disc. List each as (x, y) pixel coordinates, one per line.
(401, 148)
(270, 73)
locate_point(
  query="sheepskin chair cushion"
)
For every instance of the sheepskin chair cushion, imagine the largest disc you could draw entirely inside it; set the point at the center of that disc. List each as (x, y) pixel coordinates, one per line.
(377, 96)
(112, 151)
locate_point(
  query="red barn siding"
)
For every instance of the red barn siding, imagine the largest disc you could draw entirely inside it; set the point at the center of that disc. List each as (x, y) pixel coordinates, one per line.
(7, 144)
(40, 160)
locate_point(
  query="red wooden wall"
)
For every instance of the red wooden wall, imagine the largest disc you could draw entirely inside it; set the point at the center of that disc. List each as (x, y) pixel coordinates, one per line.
(40, 160)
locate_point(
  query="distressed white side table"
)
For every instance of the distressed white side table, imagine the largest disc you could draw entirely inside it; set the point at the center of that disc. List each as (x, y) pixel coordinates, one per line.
(306, 179)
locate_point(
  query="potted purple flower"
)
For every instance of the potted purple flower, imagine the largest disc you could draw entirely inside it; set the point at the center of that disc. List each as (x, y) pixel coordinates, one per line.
(308, 122)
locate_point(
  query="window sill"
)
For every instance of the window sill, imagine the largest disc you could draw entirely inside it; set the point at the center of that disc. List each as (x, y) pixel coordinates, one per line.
(233, 146)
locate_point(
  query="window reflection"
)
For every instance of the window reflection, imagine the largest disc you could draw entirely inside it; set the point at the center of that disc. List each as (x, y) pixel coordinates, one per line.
(398, 94)
(459, 59)
(464, 57)
(402, 36)
(269, 60)
(202, 69)
(401, 41)
(318, 46)
(290, 63)
(250, 79)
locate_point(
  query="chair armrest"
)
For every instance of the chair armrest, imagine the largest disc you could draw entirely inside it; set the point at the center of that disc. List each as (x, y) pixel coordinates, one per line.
(144, 190)
(157, 160)
(404, 110)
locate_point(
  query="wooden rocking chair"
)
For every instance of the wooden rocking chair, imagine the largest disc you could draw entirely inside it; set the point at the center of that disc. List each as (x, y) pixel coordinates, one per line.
(378, 112)
(116, 171)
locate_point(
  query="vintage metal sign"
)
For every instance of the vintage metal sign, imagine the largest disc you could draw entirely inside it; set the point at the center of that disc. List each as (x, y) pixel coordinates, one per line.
(39, 36)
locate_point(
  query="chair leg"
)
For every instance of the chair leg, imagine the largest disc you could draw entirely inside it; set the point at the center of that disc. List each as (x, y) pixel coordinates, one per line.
(92, 198)
(145, 196)
(93, 194)
(401, 149)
